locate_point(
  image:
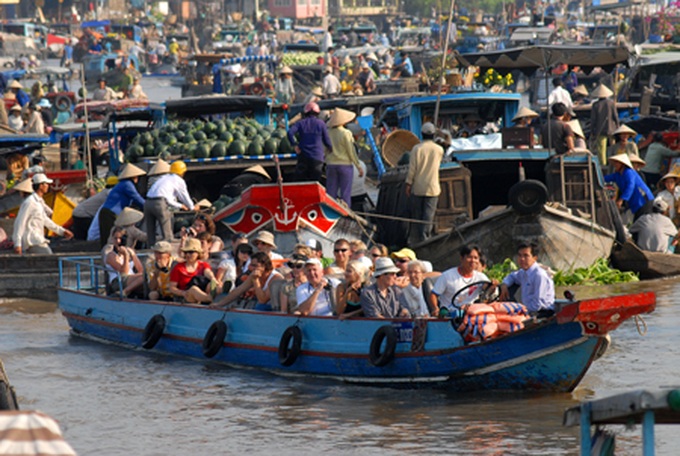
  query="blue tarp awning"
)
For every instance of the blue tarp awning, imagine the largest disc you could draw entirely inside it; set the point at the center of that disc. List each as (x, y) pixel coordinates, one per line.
(95, 24)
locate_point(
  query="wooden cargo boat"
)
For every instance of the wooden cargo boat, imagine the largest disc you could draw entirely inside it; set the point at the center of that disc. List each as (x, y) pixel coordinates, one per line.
(650, 265)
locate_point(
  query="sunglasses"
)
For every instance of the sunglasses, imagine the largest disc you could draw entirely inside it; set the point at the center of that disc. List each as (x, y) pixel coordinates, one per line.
(375, 255)
(402, 260)
(296, 265)
(340, 250)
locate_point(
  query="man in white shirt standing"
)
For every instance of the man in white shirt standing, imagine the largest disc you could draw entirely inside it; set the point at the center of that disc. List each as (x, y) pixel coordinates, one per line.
(559, 94)
(32, 219)
(169, 191)
(331, 84)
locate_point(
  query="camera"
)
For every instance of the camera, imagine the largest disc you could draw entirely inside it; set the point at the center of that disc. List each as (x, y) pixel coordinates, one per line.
(123, 239)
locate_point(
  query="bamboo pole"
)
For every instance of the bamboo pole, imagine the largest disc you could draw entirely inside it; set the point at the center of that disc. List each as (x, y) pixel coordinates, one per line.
(87, 155)
(446, 49)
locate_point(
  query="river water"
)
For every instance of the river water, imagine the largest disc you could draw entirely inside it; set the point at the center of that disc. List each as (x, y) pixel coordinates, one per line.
(111, 400)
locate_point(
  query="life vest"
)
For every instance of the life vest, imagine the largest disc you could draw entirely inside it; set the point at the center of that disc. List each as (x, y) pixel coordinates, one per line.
(485, 321)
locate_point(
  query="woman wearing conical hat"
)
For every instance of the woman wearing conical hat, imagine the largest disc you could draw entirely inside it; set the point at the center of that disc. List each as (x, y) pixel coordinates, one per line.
(285, 90)
(123, 195)
(624, 144)
(634, 194)
(603, 121)
(339, 163)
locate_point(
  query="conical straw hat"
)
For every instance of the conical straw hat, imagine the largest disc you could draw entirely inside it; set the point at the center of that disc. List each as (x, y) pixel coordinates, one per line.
(622, 158)
(130, 171)
(576, 128)
(258, 169)
(636, 159)
(581, 90)
(602, 91)
(525, 112)
(624, 129)
(341, 117)
(128, 216)
(286, 70)
(25, 186)
(160, 167)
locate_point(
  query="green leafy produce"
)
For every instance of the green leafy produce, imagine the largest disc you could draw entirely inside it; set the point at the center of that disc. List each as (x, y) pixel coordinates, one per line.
(500, 270)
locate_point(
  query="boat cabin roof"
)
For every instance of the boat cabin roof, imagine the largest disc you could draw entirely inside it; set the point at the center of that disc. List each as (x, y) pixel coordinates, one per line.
(216, 104)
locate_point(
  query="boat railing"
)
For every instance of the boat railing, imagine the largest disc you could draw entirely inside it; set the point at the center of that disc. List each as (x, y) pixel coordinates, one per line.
(89, 274)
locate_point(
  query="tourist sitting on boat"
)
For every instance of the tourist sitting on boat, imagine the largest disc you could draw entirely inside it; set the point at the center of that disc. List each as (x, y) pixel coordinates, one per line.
(632, 190)
(378, 251)
(381, 300)
(623, 143)
(557, 134)
(35, 124)
(192, 280)
(317, 296)
(124, 194)
(343, 158)
(359, 251)
(255, 292)
(32, 219)
(538, 289)
(472, 125)
(158, 269)
(288, 292)
(285, 90)
(128, 219)
(402, 258)
(317, 252)
(264, 242)
(203, 223)
(366, 79)
(456, 279)
(655, 232)
(231, 272)
(349, 291)
(657, 152)
(15, 121)
(122, 264)
(416, 295)
(104, 92)
(670, 193)
(309, 136)
(341, 253)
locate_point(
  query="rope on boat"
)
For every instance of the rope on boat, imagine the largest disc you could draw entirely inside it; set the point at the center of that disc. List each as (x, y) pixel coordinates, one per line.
(639, 321)
(393, 217)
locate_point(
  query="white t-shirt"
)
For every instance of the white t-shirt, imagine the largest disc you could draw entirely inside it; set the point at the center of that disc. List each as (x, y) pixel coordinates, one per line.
(451, 281)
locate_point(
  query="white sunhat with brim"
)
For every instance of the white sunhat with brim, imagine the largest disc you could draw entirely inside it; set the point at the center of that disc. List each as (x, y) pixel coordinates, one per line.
(265, 237)
(384, 265)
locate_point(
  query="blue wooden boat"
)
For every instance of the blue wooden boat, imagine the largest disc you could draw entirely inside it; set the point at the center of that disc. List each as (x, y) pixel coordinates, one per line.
(551, 354)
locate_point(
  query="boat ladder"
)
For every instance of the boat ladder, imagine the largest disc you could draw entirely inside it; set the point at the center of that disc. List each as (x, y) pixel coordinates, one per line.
(578, 190)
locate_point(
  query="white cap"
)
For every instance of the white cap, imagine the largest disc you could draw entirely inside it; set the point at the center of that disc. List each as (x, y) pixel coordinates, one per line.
(40, 178)
(660, 204)
(428, 128)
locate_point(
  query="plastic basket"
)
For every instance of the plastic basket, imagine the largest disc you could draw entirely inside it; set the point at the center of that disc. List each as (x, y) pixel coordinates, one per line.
(397, 144)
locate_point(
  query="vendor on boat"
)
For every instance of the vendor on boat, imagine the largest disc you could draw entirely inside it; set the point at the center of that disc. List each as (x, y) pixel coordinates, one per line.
(632, 190)
(670, 193)
(17, 90)
(103, 92)
(603, 121)
(655, 232)
(538, 289)
(456, 279)
(472, 125)
(309, 136)
(122, 195)
(32, 219)
(657, 152)
(623, 145)
(341, 162)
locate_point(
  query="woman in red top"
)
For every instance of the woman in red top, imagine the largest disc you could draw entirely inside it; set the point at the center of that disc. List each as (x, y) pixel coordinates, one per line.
(191, 280)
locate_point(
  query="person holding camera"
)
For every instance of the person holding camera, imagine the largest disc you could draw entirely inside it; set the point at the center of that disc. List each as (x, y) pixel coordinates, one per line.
(123, 265)
(317, 296)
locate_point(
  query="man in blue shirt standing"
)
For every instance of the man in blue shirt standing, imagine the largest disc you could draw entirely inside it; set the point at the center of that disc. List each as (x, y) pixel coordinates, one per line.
(632, 189)
(538, 289)
(309, 136)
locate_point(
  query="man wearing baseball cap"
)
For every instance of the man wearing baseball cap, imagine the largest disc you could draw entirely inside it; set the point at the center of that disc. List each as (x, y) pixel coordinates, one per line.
(422, 183)
(655, 231)
(33, 217)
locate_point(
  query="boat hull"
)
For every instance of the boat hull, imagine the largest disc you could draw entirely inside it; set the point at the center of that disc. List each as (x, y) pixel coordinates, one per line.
(549, 356)
(566, 241)
(650, 265)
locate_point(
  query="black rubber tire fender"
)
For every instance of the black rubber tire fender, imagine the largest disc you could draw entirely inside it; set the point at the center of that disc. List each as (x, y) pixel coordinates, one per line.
(63, 103)
(214, 338)
(387, 334)
(528, 196)
(289, 353)
(153, 331)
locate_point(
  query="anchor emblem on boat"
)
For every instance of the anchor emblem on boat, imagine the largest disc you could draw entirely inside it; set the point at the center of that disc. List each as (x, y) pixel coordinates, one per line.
(286, 219)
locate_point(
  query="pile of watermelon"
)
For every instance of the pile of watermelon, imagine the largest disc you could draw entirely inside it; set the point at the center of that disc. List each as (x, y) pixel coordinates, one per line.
(198, 139)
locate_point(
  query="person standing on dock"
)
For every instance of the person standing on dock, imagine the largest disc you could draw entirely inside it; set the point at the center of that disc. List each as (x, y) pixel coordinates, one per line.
(422, 183)
(32, 218)
(308, 137)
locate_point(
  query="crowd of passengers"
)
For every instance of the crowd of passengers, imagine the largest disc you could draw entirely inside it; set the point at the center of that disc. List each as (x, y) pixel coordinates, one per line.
(356, 282)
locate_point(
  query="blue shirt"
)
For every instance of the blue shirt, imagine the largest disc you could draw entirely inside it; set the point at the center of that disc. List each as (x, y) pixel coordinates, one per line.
(312, 137)
(631, 188)
(538, 289)
(22, 98)
(408, 66)
(68, 52)
(122, 195)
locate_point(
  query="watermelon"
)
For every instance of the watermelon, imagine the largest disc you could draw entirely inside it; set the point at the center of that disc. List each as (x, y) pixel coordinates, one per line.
(238, 136)
(218, 150)
(184, 126)
(134, 152)
(179, 135)
(202, 151)
(255, 148)
(149, 150)
(209, 127)
(229, 124)
(221, 127)
(285, 147)
(165, 155)
(200, 136)
(237, 147)
(226, 137)
(250, 131)
(270, 146)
